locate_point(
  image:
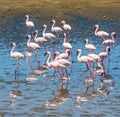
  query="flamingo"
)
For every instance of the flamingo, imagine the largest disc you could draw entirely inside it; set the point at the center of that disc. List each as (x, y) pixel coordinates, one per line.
(53, 64)
(110, 42)
(47, 35)
(101, 34)
(89, 47)
(66, 45)
(39, 40)
(64, 55)
(66, 27)
(84, 59)
(16, 55)
(56, 29)
(103, 55)
(29, 23)
(95, 57)
(32, 45)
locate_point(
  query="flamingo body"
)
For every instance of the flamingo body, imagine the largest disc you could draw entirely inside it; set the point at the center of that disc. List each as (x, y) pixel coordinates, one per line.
(110, 42)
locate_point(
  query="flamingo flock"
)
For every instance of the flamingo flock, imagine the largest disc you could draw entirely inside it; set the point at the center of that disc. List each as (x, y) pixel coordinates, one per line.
(96, 63)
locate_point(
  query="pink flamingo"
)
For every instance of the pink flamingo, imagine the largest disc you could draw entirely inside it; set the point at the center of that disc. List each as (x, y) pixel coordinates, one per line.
(110, 42)
(47, 35)
(95, 57)
(64, 55)
(84, 59)
(66, 45)
(89, 47)
(101, 34)
(54, 64)
(103, 55)
(32, 45)
(55, 29)
(39, 40)
(16, 55)
(66, 27)
(29, 23)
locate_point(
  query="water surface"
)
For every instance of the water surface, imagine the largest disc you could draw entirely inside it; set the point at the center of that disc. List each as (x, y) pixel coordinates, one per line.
(35, 93)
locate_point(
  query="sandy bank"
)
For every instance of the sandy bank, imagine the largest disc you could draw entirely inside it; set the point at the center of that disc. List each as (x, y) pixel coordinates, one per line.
(93, 9)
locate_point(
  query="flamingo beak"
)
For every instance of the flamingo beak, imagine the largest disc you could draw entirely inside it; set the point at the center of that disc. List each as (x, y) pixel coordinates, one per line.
(115, 35)
(77, 52)
(45, 53)
(109, 49)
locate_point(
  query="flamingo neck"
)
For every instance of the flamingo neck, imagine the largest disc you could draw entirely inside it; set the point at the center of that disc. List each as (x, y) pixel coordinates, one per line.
(64, 39)
(44, 31)
(86, 42)
(48, 59)
(107, 51)
(96, 30)
(53, 26)
(79, 54)
(113, 38)
(29, 40)
(12, 49)
(35, 37)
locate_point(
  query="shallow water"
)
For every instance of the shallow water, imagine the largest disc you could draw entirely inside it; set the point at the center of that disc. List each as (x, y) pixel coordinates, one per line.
(35, 93)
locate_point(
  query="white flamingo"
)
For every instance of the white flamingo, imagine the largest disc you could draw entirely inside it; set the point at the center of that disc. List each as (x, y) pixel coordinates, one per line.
(56, 29)
(66, 45)
(29, 23)
(84, 59)
(101, 34)
(47, 35)
(16, 55)
(32, 45)
(64, 55)
(66, 27)
(110, 42)
(89, 47)
(39, 40)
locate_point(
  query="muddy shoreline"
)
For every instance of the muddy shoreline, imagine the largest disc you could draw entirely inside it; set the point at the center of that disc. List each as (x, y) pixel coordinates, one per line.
(62, 9)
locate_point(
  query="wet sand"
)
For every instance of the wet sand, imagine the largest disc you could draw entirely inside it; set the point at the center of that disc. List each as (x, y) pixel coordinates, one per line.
(62, 9)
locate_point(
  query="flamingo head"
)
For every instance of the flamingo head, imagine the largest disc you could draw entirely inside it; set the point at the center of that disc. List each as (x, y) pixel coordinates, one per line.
(13, 44)
(63, 22)
(86, 40)
(35, 32)
(96, 26)
(114, 34)
(46, 53)
(78, 51)
(52, 21)
(56, 53)
(44, 26)
(28, 36)
(26, 16)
